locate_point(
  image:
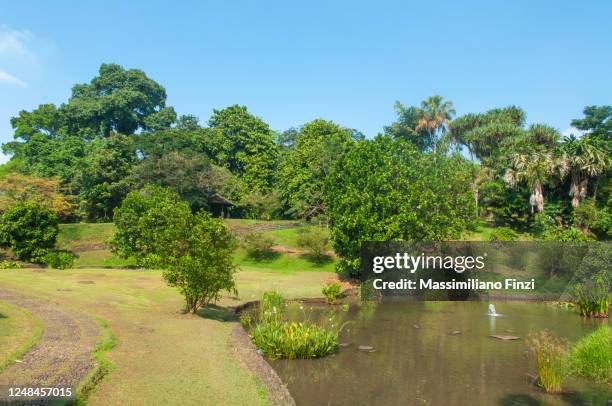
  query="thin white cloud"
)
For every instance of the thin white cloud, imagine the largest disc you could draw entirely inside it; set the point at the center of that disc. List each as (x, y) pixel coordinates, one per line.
(14, 44)
(7, 78)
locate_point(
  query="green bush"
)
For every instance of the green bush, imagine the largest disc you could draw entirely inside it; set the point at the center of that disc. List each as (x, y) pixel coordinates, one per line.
(195, 251)
(10, 265)
(332, 292)
(385, 189)
(592, 355)
(551, 359)
(315, 241)
(598, 220)
(503, 234)
(30, 230)
(59, 260)
(258, 245)
(291, 340)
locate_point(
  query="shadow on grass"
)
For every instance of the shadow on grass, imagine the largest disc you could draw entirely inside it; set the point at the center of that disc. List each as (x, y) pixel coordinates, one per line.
(317, 260)
(264, 256)
(2, 316)
(218, 313)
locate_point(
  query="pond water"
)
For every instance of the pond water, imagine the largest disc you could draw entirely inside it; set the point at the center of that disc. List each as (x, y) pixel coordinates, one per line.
(437, 353)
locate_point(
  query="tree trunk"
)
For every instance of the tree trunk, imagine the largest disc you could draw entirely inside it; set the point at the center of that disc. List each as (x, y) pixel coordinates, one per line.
(536, 200)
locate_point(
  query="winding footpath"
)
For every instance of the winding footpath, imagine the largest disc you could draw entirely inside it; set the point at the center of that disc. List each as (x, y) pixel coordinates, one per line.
(63, 357)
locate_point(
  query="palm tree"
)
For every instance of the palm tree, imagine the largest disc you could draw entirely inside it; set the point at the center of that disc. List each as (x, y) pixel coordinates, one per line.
(534, 167)
(582, 159)
(436, 114)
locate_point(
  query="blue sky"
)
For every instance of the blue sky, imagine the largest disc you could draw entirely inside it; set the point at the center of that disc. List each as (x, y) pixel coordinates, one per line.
(339, 60)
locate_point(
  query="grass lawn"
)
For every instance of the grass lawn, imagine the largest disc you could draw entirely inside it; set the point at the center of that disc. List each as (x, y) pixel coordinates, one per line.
(484, 230)
(19, 331)
(89, 242)
(162, 356)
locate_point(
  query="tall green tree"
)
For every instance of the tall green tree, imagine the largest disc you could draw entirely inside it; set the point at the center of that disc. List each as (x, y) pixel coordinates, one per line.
(597, 121)
(583, 159)
(384, 189)
(103, 181)
(305, 167)
(117, 100)
(423, 126)
(534, 160)
(244, 144)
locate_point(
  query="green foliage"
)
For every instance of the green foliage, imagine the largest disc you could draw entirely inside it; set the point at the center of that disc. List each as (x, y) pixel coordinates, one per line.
(147, 222)
(551, 359)
(591, 357)
(315, 240)
(59, 259)
(258, 245)
(10, 265)
(595, 219)
(593, 297)
(244, 144)
(332, 292)
(270, 307)
(422, 126)
(384, 190)
(304, 167)
(118, 100)
(596, 121)
(190, 175)
(281, 339)
(195, 251)
(103, 179)
(261, 206)
(30, 230)
(201, 265)
(503, 234)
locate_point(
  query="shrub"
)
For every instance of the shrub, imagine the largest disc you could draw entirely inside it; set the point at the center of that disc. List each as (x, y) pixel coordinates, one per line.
(598, 220)
(332, 292)
(59, 260)
(315, 241)
(291, 340)
(30, 229)
(551, 359)
(195, 251)
(10, 265)
(503, 234)
(592, 355)
(258, 245)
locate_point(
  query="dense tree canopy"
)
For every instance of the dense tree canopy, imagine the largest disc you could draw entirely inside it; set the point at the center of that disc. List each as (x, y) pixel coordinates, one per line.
(115, 134)
(305, 166)
(385, 190)
(244, 144)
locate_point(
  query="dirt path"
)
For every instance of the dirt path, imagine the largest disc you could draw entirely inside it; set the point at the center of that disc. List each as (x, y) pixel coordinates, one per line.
(63, 356)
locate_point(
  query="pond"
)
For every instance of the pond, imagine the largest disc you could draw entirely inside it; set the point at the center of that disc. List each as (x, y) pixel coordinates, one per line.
(437, 353)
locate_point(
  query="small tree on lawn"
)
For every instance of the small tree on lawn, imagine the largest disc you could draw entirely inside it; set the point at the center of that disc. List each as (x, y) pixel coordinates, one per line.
(30, 230)
(195, 251)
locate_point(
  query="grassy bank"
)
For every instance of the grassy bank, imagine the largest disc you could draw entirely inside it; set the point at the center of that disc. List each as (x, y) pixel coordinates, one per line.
(161, 355)
(20, 330)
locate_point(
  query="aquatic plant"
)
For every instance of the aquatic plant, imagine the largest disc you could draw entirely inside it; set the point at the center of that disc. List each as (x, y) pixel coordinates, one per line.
(591, 357)
(593, 297)
(270, 307)
(282, 339)
(551, 355)
(332, 292)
